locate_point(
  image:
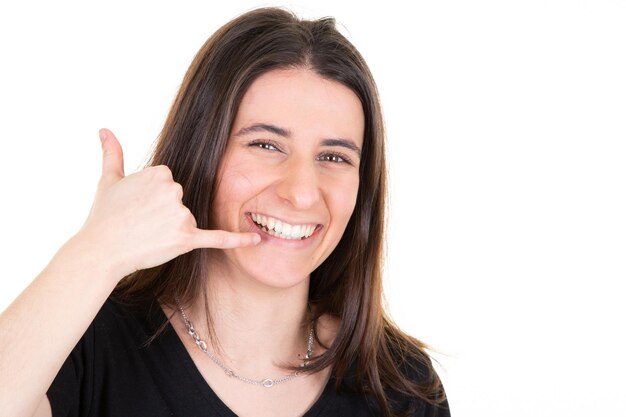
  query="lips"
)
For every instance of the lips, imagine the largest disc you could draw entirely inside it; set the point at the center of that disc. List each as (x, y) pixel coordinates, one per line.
(281, 229)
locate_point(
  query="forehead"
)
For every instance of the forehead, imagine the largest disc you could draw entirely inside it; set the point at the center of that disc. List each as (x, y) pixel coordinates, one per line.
(303, 102)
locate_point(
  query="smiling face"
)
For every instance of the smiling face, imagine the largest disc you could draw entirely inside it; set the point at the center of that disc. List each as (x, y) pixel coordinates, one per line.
(290, 173)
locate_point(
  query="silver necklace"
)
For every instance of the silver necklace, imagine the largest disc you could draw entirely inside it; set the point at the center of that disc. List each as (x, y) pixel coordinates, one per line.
(266, 382)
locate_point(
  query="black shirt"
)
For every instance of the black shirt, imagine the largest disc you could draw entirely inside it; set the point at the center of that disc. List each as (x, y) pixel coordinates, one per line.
(113, 372)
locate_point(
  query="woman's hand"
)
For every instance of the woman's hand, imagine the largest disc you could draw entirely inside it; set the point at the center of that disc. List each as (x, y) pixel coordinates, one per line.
(139, 221)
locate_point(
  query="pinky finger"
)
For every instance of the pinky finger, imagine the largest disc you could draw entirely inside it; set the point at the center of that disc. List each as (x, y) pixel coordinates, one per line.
(221, 239)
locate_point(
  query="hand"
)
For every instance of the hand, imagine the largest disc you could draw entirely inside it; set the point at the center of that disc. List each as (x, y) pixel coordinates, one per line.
(139, 221)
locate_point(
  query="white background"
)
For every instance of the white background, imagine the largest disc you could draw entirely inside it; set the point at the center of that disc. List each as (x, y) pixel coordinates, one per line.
(506, 131)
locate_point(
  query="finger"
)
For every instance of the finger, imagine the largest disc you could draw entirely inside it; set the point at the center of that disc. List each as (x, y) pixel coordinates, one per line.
(221, 239)
(112, 158)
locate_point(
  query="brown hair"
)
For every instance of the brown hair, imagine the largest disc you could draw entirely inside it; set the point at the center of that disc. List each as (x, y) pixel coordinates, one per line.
(348, 284)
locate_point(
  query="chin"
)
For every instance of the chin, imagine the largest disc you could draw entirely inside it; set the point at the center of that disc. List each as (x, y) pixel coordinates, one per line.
(271, 270)
(279, 279)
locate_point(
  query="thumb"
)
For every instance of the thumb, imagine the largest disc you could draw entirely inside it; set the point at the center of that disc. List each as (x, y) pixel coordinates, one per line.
(112, 158)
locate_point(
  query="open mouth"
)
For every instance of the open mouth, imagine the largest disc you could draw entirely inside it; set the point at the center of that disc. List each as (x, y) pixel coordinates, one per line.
(282, 230)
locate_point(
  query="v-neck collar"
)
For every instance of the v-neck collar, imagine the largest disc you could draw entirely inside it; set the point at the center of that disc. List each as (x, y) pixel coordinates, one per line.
(178, 354)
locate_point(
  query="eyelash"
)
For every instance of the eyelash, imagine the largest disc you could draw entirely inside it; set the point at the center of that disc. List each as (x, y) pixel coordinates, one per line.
(265, 145)
(334, 157)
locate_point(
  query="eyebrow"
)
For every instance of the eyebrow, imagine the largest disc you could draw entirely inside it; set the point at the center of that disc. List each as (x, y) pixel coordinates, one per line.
(286, 133)
(264, 127)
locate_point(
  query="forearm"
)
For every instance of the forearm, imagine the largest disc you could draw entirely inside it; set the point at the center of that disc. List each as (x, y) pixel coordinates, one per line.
(136, 222)
(41, 327)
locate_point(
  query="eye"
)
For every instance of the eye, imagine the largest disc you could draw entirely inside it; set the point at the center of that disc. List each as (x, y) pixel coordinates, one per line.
(264, 144)
(335, 158)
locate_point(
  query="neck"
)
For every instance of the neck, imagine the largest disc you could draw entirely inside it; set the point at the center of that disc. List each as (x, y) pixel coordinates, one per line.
(255, 328)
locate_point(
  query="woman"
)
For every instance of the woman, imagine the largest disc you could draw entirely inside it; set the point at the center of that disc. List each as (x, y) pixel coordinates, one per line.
(257, 230)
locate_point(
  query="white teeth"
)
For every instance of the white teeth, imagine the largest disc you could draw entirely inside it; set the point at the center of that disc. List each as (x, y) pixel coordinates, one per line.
(283, 230)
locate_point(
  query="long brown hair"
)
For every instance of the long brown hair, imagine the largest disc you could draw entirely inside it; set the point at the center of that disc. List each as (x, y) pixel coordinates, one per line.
(348, 284)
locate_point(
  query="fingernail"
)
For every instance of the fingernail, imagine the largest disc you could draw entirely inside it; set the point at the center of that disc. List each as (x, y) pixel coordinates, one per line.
(103, 135)
(256, 239)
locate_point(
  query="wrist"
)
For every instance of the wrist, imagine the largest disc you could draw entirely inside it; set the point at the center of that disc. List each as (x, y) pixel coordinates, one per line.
(85, 256)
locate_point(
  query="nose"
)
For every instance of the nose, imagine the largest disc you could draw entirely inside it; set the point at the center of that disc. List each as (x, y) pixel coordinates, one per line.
(299, 185)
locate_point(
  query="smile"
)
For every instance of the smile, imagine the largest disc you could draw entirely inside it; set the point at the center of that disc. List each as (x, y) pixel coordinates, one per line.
(282, 230)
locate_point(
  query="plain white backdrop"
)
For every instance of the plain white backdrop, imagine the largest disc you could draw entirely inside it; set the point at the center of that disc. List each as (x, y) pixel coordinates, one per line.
(507, 146)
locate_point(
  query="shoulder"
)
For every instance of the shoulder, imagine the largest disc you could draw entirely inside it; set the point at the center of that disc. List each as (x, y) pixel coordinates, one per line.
(107, 351)
(417, 385)
(118, 327)
(147, 316)
(421, 375)
(403, 368)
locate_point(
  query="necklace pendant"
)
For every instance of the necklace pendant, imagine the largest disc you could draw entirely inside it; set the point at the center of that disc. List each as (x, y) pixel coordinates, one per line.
(202, 345)
(268, 383)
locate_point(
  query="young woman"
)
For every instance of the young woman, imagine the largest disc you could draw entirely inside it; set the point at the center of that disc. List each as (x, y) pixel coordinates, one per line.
(241, 271)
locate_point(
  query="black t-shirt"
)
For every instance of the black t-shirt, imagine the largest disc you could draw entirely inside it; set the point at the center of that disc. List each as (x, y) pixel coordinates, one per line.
(112, 371)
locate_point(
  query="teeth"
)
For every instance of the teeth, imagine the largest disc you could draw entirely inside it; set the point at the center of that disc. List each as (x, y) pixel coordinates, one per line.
(283, 230)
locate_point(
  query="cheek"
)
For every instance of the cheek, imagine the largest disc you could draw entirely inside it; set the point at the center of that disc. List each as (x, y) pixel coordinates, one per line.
(233, 186)
(236, 187)
(343, 202)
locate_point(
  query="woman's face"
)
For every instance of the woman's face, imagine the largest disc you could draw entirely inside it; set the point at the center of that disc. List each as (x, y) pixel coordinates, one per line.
(291, 174)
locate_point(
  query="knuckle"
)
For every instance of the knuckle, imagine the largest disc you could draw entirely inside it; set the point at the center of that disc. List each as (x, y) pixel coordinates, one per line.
(221, 239)
(162, 172)
(186, 218)
(178, 190)
(184, 212)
